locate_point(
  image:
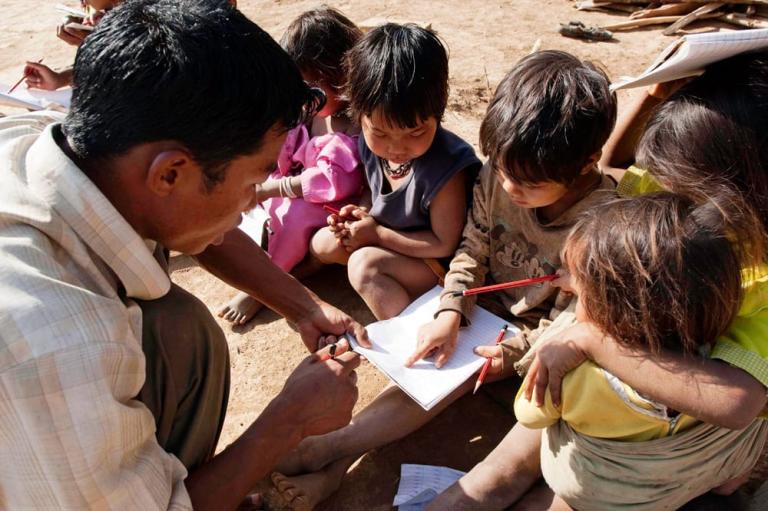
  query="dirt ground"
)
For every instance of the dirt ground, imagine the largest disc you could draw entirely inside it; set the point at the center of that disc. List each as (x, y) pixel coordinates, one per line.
(485, 39)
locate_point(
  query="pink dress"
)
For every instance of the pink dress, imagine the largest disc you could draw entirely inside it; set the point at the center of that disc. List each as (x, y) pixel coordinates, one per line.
(329, 168)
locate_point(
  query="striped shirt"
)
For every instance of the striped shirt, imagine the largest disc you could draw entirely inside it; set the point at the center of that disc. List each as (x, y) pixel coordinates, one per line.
(72, 434)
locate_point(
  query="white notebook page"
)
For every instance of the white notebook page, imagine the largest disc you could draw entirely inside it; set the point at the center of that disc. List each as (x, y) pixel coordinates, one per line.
(34, 99)
(395, 339)
(691, 54)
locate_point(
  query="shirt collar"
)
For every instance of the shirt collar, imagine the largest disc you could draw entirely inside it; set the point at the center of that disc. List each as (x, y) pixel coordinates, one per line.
(59, 182)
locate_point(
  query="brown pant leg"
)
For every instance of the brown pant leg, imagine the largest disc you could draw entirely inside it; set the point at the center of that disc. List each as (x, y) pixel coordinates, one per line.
(187, 385)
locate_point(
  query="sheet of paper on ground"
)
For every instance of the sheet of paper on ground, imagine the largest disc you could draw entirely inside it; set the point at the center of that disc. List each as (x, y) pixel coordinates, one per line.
(689, 55)
(420, 484)
(395, 339)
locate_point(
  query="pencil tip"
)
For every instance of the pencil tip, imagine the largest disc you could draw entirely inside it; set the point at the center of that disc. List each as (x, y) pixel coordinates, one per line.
(477, 387)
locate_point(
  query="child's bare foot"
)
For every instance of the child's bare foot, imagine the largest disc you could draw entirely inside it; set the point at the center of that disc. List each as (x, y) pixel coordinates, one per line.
(240, 309)
(304, 492)
(311, 455)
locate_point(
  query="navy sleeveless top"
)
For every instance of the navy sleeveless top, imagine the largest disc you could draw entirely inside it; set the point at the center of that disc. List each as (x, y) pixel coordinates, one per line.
(407, 208)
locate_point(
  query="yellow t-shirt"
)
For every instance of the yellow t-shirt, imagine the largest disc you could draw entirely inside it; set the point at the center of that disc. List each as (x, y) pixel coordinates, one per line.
(596, 403)
(745, 344)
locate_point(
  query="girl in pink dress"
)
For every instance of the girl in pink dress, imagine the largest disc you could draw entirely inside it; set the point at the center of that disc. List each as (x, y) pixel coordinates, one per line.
(319, 164)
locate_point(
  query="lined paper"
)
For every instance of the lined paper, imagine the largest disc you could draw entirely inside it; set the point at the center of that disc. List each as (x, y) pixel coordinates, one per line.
(691, 54)
(420, 484)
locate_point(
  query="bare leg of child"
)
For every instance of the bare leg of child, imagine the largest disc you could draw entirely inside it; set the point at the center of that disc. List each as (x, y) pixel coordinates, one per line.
(539, 498)
(323, 247)
(501, 479)
(388, 281)
(240, 309)
(323, 460)
(730, 486)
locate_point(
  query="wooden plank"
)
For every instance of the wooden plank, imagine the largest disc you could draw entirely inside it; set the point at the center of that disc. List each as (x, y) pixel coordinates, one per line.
(744, 21)
(694, 16)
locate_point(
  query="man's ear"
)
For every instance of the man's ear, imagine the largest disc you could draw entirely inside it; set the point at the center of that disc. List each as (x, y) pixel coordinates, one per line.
(170, 169)
(591, 163)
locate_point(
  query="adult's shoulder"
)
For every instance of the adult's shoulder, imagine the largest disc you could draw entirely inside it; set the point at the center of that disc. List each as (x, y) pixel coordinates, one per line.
(32, 123)
(48, 304)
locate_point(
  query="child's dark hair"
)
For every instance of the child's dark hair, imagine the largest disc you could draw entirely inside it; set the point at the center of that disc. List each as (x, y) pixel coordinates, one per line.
(709, 141)
(401, 71)
(549, 115)
(193, 71)
(656, 271)
(318, 41)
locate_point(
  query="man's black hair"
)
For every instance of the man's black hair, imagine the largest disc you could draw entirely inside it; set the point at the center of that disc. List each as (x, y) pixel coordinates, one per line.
(194, 71)
(549, 115)
(400, 70)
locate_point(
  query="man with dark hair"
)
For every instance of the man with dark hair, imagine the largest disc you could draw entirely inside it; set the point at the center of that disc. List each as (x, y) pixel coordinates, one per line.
(114, 381)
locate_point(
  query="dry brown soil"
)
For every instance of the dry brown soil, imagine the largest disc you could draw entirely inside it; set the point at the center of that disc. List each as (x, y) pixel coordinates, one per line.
(485, 39)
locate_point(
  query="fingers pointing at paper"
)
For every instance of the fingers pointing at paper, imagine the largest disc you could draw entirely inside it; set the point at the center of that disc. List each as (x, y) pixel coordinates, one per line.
(438, 338)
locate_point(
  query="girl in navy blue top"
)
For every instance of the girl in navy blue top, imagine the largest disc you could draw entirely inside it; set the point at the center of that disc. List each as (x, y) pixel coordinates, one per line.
(417, 171)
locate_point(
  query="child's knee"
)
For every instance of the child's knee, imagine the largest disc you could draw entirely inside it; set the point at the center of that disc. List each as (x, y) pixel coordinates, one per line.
(362, 266)
(323, 246)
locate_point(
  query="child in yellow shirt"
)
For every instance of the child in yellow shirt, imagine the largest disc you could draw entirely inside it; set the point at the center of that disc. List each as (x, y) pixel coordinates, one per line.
(655, 272)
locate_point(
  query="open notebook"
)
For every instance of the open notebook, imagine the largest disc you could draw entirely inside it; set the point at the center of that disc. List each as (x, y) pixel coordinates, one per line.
(395, 339)
(689, 55)
(35, 99)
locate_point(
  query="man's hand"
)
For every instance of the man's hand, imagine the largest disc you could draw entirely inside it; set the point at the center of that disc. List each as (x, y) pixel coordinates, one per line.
(555, 358)
(326, 319)
(438, 337)
(323, 391)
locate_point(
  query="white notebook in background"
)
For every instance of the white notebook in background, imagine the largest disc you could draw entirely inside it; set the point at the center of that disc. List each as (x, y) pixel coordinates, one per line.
(253, 223)
(71, 11)
(35, 99)
(395, 339)
(689, 55)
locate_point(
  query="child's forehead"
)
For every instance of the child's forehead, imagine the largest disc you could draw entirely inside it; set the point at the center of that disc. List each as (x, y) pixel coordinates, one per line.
(380, 121)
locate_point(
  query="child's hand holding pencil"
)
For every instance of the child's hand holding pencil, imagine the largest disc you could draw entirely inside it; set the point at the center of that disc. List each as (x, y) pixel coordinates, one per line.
(351, 225)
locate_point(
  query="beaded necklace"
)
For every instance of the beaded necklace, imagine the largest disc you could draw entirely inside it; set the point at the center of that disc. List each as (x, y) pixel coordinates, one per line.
(400, 171)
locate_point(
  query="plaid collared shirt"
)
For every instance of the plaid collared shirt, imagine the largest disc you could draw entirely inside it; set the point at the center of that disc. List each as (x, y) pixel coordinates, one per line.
(72, 434)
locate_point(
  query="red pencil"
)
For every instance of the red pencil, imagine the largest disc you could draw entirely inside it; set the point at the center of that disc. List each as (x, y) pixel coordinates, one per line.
(487, 365)
(21, 79)
(505, 285)
(331, 210)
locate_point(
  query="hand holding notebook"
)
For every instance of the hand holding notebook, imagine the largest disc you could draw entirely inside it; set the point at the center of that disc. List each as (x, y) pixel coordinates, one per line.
(691, 54)
(395, 339)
